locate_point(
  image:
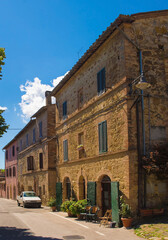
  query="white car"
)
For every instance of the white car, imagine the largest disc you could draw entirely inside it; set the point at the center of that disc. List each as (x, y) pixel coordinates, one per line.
(28, 198)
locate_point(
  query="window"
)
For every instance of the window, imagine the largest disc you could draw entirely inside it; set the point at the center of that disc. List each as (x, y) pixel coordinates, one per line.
(6, 154)
(65, 149)
(21, 145)
(14, 171)
(27, 140)
(13, 150)
(30, 163)
(102, 136)
(40, 130)
(101, 81)
(80, 98)
(41, 160)
(10, 172)
(65, 110)
(7, 172)
(43, 189)
(34, 135)
(81, 145)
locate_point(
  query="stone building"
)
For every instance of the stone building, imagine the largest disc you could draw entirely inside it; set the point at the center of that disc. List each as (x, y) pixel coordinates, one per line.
(36, 153)
(11, 169)
(2, 184)
(104, 124)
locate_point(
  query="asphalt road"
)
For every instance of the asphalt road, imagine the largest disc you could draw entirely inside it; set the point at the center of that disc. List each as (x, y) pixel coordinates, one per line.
(18, 223)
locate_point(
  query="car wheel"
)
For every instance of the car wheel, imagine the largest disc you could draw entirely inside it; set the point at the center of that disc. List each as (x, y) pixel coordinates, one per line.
(39, 205)
(24, 205)
(18, 203)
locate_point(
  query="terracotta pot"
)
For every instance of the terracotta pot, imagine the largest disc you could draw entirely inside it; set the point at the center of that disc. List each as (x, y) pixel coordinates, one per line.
(53, 208)
(127, 222)
(158, 211)
(80, 217)
(146, 212)
(69, 214)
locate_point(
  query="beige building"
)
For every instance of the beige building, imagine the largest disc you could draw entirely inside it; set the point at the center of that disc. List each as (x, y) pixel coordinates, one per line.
(36, 153)
(102, 129)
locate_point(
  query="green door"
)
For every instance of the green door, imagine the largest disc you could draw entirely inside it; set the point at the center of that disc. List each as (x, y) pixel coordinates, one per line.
(58, 195)
(91, 193)
(115, 201)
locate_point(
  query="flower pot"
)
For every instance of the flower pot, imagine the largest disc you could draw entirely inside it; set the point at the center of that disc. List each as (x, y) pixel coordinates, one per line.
(158, 211)
(53, 208)
(146, 212)
(69, 214)
(80, 217)
(127, 222)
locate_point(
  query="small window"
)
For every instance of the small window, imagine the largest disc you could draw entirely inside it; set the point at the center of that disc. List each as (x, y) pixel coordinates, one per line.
(43, 189)
(14, 171)
(101, 81)
(80, 98)
(65, 110)
(40, 130)
(30, 163)
(65, 149)
(6, 154)
(10, 172)
(27, 140)
(41, 160)
(13, 150)
(7, 173)
(102, 137)
(34, 135)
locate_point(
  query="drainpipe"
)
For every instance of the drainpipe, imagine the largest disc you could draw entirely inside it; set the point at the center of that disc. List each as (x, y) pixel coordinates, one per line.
(142, 113)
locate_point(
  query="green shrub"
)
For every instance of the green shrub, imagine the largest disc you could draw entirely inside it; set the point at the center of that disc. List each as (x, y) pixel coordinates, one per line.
(125, 210)
(78, 207)
(66, 205)
(52, 202)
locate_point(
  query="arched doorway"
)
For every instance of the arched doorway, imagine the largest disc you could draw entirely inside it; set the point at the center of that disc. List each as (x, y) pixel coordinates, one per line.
(106, 193)
(67, 189)
(82, 191)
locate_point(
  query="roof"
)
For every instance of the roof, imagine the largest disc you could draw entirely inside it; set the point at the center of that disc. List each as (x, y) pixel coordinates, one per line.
(102, 38)
(29, 124)
(16, 137)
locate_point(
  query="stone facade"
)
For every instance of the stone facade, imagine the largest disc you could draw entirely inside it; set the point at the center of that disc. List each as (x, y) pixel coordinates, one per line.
(2, 184)
(40, 149)
(11, 169)
(118, 106)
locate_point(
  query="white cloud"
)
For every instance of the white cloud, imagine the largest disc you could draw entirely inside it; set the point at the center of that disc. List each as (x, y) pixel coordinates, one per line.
(34, 96)
(3, 108)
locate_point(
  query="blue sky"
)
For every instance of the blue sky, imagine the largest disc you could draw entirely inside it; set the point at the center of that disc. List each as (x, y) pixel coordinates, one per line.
(43, 39)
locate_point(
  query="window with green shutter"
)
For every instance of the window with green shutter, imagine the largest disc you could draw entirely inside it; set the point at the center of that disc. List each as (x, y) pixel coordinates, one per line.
(102, 136)
(101, 81)
(65, 149)
(65, 110)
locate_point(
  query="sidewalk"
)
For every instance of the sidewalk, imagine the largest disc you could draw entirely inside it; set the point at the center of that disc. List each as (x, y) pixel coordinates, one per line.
(113, 233)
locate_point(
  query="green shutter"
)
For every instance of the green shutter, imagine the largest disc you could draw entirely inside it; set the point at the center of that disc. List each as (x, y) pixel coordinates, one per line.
(100, 137)
(91, 192)
(98, 82)
(65, 149)
(104, 136)
(103, 79)
(58, 195)
(115, 201)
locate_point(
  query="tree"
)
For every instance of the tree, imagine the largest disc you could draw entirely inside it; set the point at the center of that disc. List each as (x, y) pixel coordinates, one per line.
(3, 125)
(2, 56)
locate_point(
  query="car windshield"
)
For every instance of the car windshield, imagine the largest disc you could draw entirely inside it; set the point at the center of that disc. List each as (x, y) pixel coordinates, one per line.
(29, 194)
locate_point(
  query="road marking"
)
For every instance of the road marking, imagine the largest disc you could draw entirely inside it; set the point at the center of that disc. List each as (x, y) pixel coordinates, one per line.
(100, 233)
(23, 221)
(69, 220)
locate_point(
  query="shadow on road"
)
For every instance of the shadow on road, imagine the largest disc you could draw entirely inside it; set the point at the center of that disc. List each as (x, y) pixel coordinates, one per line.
(12, 233)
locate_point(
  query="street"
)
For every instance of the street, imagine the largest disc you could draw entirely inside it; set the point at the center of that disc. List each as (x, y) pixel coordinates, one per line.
(37, 224)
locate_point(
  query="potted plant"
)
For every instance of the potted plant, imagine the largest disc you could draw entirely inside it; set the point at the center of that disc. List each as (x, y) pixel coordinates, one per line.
(125, 212)
(80, 147)
(52, 204)
(65, 207)
(78, 207)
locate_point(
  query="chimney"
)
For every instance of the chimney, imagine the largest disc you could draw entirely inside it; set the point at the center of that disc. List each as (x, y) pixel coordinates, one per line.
(48, 97)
